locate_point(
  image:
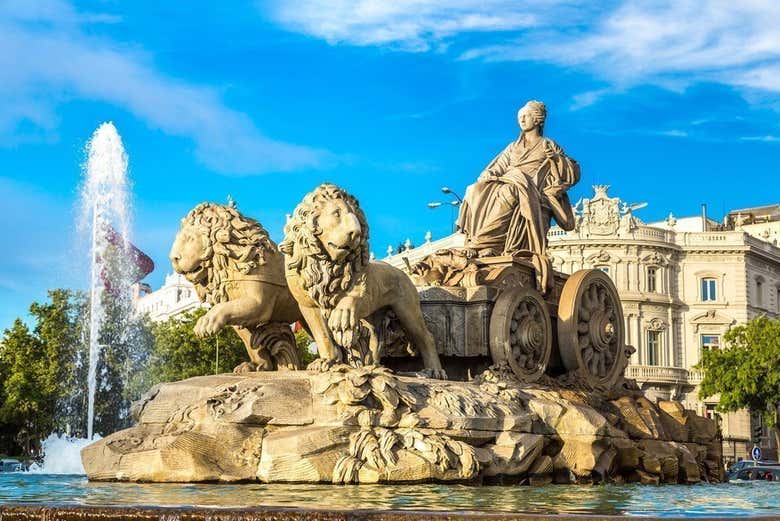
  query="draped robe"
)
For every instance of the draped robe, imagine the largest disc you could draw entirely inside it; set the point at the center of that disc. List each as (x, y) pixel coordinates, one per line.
(507, 210)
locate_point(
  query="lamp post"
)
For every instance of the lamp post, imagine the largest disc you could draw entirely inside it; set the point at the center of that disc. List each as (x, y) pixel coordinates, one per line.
(452, 204)
(448, 190)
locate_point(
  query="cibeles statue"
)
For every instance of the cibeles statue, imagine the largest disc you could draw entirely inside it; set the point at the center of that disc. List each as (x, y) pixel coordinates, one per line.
(343, 295)
(508, 210)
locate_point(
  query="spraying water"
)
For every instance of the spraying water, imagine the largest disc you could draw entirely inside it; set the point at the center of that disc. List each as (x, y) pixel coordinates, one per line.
(105, 219)
(63, 455)
(105, 211)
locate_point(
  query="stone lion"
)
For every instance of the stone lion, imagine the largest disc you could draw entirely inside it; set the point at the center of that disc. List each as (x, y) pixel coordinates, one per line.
(236, 268)
(336, 285)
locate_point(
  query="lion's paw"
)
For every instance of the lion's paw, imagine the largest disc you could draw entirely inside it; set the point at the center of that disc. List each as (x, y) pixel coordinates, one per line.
(245, 367)
(342, 323)
(436, 374)
(209, 324)
(322, 365)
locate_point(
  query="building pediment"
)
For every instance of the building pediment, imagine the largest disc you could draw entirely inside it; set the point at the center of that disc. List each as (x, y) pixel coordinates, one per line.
(711, 318)
(655, 258)
(602, 257)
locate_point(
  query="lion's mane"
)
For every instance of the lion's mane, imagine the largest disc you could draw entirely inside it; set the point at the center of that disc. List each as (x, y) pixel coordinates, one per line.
(322, 278)
(234, 243)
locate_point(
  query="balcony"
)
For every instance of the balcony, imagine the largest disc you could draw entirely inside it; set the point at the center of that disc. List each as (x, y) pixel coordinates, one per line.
(658, 374)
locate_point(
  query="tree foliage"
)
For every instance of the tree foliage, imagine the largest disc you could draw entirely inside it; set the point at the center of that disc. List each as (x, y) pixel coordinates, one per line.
(43, 370)
(178, 353)
(27, 405)
(746, 372)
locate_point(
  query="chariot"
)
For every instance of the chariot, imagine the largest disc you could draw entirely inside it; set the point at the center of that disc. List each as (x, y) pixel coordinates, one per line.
(490, 311)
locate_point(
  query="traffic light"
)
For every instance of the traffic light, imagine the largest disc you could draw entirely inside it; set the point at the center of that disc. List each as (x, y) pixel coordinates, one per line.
(758, 430)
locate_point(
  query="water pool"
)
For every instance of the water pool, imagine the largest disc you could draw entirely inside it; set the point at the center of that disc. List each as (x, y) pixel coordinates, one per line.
(724, 500)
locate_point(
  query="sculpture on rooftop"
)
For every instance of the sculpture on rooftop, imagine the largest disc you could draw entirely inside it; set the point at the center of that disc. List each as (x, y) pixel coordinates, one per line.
(237, 268)
(508, 210)
(344, 297)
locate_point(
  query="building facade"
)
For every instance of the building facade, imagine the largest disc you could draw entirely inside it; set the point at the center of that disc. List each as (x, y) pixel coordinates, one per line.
(683, 283)
(176, 296)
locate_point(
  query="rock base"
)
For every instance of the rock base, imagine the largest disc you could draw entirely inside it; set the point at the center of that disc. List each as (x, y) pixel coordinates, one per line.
(369, 425)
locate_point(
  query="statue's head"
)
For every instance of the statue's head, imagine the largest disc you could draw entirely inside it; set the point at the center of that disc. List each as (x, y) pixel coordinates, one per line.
(532, 115)
(215, 243)
(326, 241)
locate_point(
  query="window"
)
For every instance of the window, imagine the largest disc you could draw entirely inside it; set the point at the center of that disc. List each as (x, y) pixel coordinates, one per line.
(708, 293)
(605, 269)
(710, 342)
(653, 347)
(759, 292)
(652, 272)
(777, 300)
(710, 411)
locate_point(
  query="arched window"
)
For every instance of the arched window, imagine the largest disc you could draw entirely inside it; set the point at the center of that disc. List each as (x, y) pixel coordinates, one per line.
(760, 291)
(708, 291)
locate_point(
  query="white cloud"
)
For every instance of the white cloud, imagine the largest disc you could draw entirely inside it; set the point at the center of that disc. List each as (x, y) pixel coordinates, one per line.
(769, 138)
(671, 43)
(47, 58)
(411, 25)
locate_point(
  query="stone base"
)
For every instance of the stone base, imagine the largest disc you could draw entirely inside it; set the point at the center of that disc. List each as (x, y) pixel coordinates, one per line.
(369, 425)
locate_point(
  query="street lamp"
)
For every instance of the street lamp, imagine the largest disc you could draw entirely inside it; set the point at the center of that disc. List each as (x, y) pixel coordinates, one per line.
(448, 190)
(452, 204)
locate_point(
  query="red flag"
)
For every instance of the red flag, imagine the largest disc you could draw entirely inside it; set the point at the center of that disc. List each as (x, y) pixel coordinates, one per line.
(141, 264)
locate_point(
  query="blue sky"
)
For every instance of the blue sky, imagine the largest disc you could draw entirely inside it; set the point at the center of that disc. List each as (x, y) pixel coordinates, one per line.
(673, 103)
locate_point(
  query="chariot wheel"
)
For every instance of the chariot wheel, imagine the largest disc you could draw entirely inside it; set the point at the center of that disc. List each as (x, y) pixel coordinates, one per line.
(591, 328)
(521, 332)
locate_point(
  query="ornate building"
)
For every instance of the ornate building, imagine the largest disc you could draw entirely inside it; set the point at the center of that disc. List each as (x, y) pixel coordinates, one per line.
(683, 282)
(176, 296)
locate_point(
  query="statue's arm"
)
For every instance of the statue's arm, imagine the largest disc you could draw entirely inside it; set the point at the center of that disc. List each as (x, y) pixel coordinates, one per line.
(563, 173)
(562, 210)
(498, 166)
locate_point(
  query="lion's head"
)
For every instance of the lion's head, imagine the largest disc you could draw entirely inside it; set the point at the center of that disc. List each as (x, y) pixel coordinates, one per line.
(214, 242)
(326, 242)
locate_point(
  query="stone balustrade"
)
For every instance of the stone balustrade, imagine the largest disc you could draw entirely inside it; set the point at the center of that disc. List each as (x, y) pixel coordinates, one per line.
(659, 374)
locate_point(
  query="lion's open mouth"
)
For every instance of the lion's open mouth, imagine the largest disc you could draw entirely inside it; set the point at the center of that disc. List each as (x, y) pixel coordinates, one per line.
(195, 274)
(340, 248)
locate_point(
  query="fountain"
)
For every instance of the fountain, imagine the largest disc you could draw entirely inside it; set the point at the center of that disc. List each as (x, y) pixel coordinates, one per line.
(537, 392)
(105, 205)
(105, 220)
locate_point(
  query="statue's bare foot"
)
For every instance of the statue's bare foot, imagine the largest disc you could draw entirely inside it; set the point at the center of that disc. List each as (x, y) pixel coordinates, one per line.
(468, 253)
(487, 252)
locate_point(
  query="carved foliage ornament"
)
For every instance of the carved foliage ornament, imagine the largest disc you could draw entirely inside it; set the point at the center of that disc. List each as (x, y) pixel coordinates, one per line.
(601, 257)
(656, 324)
(655, 258)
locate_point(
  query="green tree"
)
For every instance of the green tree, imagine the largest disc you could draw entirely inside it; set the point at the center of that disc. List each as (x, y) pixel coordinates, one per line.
(126, 344)
(28, 402)
(303, 341)
(746, 372)
(60, 327)
(178, 353)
